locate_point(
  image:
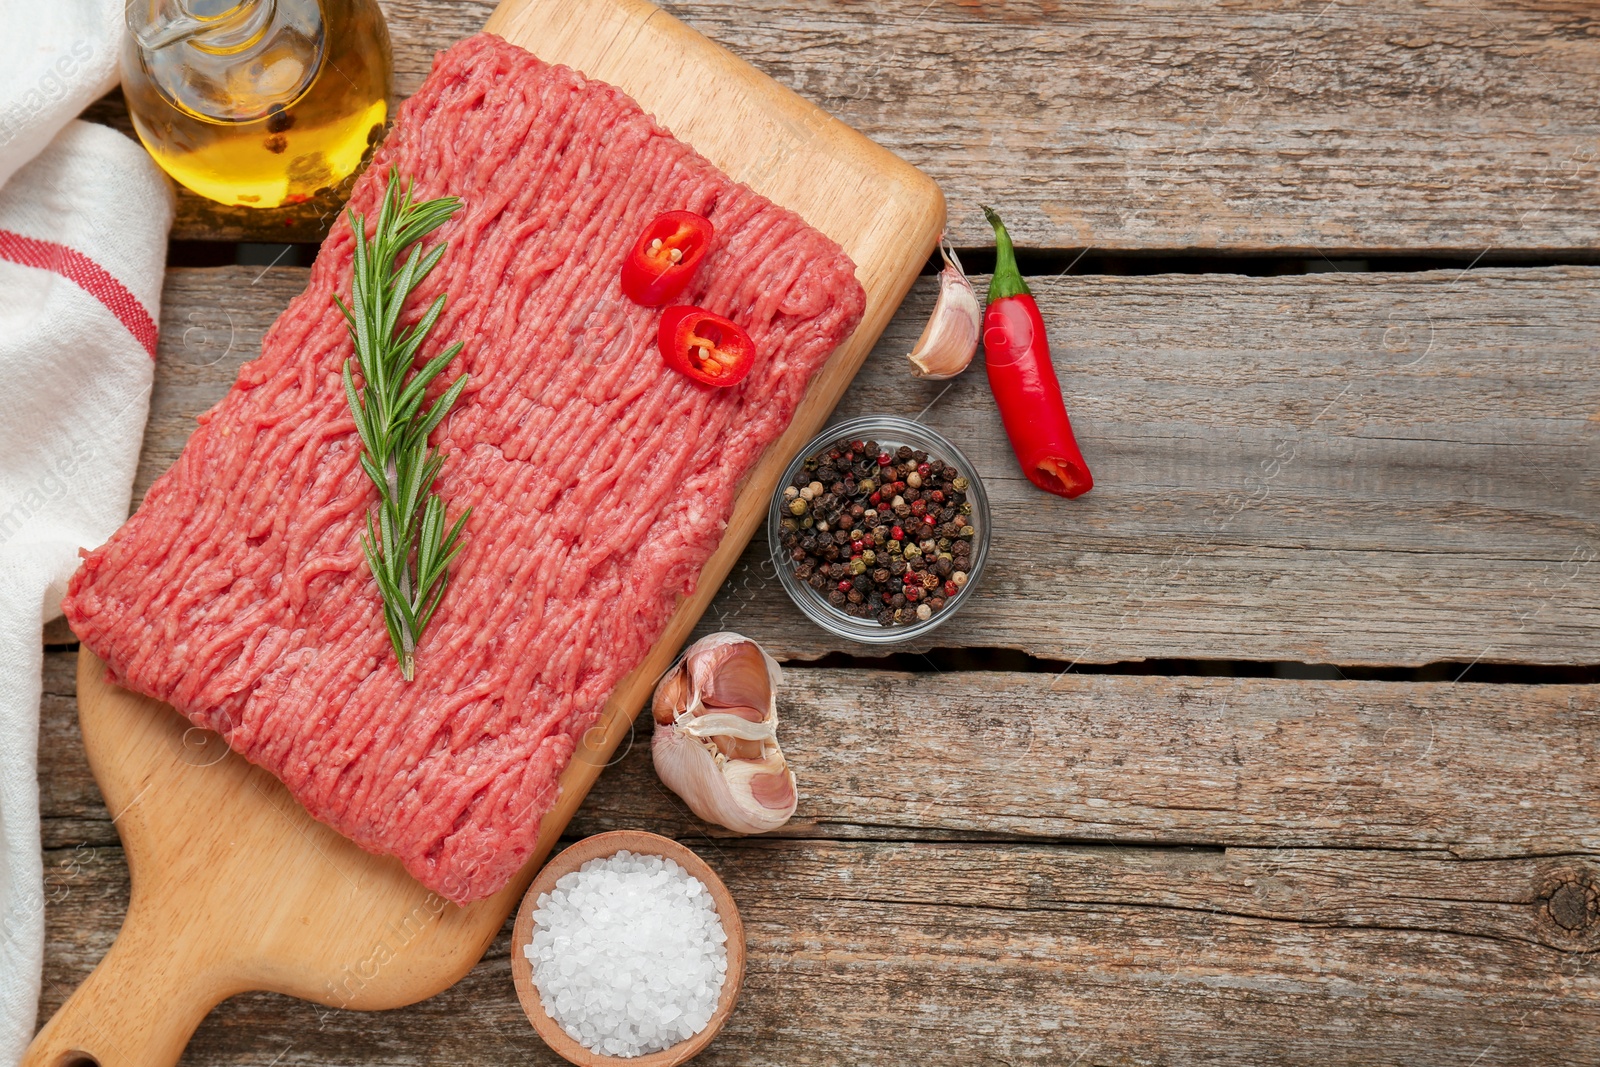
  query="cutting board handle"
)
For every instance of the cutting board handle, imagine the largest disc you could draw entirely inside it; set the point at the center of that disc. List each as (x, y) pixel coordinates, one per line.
(141, 1003)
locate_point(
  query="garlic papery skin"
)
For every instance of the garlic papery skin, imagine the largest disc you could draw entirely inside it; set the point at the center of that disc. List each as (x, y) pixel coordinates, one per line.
(716, 735)
(950, 339)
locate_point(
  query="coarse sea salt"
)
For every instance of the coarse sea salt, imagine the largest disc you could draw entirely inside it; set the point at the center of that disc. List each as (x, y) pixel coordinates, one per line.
(628, 954)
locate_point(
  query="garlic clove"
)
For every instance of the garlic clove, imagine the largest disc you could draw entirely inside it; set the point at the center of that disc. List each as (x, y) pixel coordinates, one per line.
(735, 748)
(716, 742)
(950, 339)
(722, 791)
(734, 677)
(775, 791)
(672, 697)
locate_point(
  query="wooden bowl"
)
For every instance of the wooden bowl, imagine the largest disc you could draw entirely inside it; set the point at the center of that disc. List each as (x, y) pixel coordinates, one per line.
(599, 847)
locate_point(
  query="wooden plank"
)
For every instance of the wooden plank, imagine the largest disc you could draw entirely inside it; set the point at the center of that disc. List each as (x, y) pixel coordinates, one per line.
(1410, 876)
(1340, 468)
(882, 952)
(1479, 771)
(70, 806)
(1261, 126)
(1475, 771)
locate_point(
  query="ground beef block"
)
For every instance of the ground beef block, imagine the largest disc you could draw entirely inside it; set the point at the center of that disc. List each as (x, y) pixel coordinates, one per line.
(600, 481)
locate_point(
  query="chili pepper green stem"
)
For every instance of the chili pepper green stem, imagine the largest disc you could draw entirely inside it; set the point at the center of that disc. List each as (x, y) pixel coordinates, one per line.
(1007, 279)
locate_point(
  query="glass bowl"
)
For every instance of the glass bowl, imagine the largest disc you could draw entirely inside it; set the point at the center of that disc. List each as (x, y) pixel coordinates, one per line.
(890, 432)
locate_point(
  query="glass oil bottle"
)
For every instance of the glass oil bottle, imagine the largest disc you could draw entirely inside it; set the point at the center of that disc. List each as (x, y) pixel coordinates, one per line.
(259, 103)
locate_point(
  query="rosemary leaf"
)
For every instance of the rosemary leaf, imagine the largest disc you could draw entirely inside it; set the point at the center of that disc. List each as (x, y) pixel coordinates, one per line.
(406, 545)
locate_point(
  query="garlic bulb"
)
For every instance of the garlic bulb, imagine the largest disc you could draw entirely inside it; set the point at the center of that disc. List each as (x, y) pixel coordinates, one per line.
(950, 339)
(716, 738)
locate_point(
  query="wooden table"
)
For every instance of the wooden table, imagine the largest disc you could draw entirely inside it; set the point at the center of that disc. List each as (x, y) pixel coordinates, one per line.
(1283, 746)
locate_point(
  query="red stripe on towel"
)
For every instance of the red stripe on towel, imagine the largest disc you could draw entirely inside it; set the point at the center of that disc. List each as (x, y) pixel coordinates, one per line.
(88, 275)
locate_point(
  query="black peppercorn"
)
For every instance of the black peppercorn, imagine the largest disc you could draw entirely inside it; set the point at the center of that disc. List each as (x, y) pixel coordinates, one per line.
(840, 539)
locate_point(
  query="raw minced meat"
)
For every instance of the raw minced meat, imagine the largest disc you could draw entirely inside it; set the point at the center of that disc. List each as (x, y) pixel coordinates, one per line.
(599, 480)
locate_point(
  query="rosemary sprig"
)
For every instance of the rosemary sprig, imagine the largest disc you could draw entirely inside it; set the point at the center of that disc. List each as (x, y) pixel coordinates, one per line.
(406, 545)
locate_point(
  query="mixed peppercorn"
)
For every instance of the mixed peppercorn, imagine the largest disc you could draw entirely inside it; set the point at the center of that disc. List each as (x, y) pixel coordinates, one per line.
(884, 535)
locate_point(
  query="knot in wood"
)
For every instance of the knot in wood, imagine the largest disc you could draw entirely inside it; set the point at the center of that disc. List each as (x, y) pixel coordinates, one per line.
(1574, 906)
(1569, 905)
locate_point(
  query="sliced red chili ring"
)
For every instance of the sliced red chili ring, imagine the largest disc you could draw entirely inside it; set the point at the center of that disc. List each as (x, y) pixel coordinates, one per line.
(705, 346)
(664, 259)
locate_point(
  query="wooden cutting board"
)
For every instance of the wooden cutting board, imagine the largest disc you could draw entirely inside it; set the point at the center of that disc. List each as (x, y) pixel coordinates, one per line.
(235, 887)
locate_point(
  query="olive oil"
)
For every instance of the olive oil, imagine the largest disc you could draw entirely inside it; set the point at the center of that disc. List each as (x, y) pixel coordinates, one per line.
(257, 102)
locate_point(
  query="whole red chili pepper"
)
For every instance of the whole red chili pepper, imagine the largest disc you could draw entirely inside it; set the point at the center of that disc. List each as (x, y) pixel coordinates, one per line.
(1016, 353)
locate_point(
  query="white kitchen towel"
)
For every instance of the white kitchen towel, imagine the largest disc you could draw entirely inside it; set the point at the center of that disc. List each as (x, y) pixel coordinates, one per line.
(56, 58)
(83, 235)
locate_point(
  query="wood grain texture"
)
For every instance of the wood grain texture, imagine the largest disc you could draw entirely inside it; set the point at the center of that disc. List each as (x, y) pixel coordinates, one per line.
(1358, 468)
(1324, 911)
(888, 953)
(1447, 127)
